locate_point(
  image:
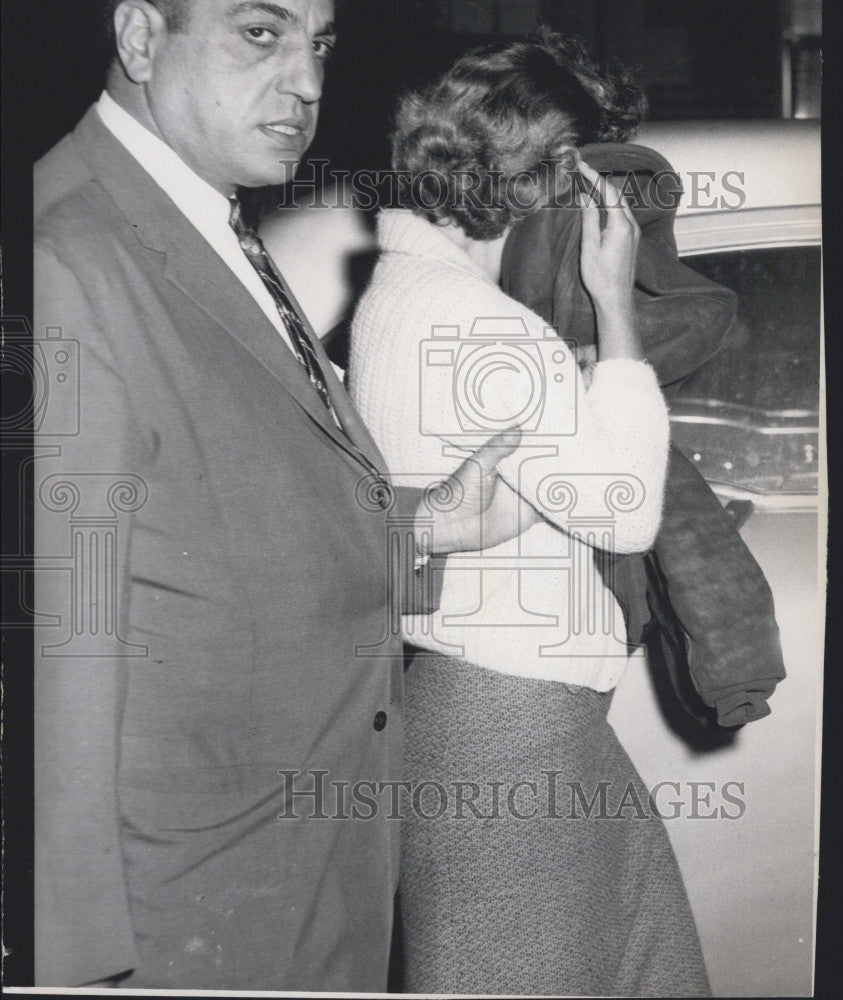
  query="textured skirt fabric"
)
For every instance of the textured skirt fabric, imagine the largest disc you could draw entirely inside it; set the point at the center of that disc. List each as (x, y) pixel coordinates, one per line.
(532, 860)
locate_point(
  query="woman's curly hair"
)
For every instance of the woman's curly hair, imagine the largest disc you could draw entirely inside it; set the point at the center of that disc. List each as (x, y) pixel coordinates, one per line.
(483, 145)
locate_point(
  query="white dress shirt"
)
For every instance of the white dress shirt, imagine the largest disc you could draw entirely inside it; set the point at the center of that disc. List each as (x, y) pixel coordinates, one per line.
(204, 207)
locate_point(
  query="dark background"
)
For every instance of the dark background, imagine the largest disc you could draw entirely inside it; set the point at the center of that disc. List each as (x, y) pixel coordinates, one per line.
(695, 58)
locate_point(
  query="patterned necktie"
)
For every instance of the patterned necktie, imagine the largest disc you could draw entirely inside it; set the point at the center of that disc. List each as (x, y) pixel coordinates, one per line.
(252, 246)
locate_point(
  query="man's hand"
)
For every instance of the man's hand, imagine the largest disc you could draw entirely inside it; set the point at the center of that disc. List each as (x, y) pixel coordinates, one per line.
(489, 511)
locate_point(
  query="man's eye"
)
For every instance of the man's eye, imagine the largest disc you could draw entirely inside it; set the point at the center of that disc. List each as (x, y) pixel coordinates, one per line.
(323, 48)
(260, 35)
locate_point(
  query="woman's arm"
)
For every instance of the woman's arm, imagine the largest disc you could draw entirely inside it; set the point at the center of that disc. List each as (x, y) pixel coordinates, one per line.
(607, 265)
(613, 461)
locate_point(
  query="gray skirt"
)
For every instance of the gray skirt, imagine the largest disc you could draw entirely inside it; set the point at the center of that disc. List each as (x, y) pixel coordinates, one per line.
(533, 862)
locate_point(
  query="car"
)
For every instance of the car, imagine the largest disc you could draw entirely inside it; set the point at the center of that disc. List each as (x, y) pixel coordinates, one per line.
(741, 808)
(751, 420)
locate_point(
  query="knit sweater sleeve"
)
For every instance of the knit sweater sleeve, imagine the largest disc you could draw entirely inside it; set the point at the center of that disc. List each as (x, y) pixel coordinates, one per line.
(615, 464)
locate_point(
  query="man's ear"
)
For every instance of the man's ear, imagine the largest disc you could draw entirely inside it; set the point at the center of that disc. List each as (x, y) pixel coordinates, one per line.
(139, 27)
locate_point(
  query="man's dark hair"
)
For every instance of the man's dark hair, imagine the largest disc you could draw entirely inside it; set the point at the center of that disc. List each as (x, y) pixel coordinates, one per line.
(174, 11)
(502, 113)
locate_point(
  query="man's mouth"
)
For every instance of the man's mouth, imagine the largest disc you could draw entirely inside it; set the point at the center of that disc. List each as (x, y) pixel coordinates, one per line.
(289, 133)
(284, 129)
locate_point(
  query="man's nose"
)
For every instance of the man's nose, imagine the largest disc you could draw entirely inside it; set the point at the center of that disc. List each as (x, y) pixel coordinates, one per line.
(301, 74)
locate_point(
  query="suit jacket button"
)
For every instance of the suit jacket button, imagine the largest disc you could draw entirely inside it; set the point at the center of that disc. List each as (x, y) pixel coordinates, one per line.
(380, 721)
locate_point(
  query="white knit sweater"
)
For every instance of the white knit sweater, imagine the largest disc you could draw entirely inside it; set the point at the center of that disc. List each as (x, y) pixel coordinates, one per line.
(592, 461)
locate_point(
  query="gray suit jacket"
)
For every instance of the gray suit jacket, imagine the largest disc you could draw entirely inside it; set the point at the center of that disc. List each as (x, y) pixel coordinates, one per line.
(219, 618)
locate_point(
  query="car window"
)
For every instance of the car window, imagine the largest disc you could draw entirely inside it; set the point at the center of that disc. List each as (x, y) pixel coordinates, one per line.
(749, 418)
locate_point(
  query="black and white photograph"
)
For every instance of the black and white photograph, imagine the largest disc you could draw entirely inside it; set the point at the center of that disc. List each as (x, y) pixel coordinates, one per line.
(415, 498)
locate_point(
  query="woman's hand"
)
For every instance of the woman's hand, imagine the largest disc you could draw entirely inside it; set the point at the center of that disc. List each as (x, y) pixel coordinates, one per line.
(607, 265)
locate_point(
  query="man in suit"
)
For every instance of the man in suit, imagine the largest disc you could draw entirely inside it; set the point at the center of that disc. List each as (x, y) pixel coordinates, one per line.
(221, 650)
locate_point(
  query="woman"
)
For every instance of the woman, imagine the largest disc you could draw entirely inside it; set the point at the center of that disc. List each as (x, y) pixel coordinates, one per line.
(532, 862)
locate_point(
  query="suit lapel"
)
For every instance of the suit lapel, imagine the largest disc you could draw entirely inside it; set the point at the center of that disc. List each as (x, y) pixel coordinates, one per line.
(194, 267)
(349, 417)
(197, 271)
